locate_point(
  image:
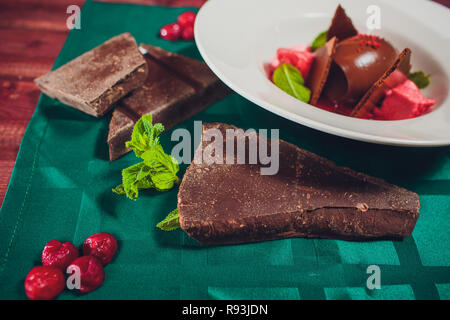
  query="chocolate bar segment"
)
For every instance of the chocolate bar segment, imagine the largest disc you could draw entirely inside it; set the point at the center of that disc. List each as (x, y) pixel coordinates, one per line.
(176, 88)
(323, 58)
(192, 71)
(94, 81)
(308, 197)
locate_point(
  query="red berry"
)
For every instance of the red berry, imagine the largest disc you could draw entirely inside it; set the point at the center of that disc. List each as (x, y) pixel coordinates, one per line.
(187, 19)
(188, 33)
(101, 245)
(91, 273)
(171, 31)
(44, 283)
(58, 254)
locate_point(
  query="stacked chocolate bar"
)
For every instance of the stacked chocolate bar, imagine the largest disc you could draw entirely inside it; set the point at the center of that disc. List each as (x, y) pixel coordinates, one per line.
(116, 74)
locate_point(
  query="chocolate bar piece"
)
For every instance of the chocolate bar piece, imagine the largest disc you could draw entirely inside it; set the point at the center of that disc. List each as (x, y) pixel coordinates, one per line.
(323, 58)
(308, 197)
(176, 88)
(94, 81)
(341, 26)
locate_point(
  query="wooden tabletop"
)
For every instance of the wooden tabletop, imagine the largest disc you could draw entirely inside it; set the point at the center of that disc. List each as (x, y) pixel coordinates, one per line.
(32, 33)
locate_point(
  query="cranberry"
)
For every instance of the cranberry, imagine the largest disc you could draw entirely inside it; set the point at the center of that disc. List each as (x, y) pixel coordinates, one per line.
(44, 283)
(171, 31)
(186, 19)
(58, 254)
(101, 245)
(187, 33)
(91, 273)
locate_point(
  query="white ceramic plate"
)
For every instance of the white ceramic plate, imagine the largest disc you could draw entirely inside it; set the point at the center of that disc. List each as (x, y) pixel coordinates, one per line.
(236, 38)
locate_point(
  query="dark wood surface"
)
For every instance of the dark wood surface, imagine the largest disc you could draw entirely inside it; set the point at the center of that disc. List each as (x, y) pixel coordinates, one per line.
(32, 33)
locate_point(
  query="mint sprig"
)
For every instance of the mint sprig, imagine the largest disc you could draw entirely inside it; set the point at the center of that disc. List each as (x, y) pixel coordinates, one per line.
(319, 41)
(289, 79)
(158, 170)
(171, 222)
(421, 79)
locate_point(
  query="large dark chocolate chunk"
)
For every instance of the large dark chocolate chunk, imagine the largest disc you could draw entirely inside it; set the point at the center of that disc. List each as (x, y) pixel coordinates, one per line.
(393, 76)
(176, 88)
(323, 58)
(341, 26)
(94, 81)
(309, 197)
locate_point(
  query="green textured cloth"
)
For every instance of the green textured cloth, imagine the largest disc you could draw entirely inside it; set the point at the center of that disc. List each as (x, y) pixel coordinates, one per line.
(61, 189)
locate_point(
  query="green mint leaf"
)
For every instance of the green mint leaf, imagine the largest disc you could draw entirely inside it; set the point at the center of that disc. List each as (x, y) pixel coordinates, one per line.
(163, 168)
(171, 222)
(135, 178)
(145, 135)
(156, 155)
(289, 79)
(420, 79)
(158, 170)
(319, 41)
(119, 189)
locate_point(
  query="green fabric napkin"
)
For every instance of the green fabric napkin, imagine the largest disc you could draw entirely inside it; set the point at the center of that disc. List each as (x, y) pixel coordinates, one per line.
(61, 189)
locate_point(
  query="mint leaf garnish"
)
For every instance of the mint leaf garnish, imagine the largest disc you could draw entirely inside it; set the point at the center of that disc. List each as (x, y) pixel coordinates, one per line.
(319, 41)
(289, 79)
(158, 170)
(162, 167)
(134, 178)
(145, 135)
(171, 222)
(420, 79)
(119, 189)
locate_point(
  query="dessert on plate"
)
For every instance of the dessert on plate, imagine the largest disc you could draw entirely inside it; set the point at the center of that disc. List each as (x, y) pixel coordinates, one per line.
(353, 74)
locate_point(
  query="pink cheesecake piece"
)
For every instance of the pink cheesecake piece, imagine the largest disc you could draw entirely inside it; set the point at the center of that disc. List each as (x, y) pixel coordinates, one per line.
(403, 102)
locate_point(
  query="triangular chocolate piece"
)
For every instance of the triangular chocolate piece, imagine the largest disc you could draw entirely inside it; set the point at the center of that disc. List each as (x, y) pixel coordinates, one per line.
(387, 81)
(308, 197)
(176, 88)
(341, 26)
(318, 75)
